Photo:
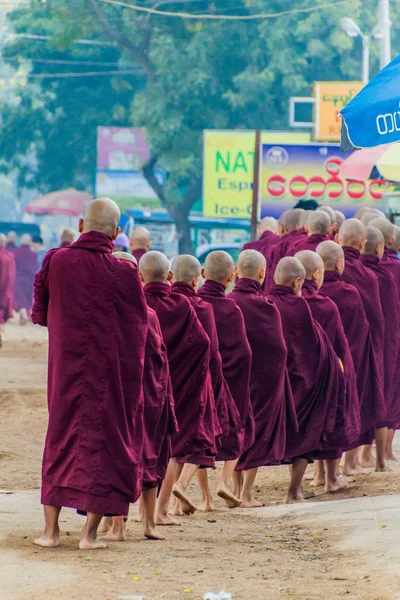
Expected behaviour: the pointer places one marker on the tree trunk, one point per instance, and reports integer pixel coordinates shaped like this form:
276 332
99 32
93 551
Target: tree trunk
182 224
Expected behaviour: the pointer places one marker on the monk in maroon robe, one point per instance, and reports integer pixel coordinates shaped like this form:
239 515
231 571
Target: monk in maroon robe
318 229
340 219
67 238
11 241
140 242
352 238
314 371
236 363
270 392
188 348
26 263
291 230
96 314
394 248
348 300
372 256
186 277
268 236
7 282
347 426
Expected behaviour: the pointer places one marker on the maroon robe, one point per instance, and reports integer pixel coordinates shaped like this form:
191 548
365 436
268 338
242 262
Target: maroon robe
138 253
11 246
311 242
266 240
370 392
367 284
390 307
392 263
159 410
26 262
270 392
278 251
314 372
96 314
7 284
65 244
391 254
236 364
188 349
347 427
297 241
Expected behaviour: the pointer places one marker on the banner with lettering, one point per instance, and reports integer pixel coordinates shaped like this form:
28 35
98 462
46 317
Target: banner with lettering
290 173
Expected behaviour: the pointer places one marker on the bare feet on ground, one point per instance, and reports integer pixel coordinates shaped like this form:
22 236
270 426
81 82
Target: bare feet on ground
151 533
115 536
318 482
48 542
334 486
253 503
357 470
91 545
226 494
166 521
187 505
368 463
206 506
297 499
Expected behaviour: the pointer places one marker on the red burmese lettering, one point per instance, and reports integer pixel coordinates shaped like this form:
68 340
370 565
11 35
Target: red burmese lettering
298 193
332 165
376 182
276 190
317 193
335 193
356 189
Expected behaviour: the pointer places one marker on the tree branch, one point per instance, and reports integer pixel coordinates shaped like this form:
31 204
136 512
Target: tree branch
149 175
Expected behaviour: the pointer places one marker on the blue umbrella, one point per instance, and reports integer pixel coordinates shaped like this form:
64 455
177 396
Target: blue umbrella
372 117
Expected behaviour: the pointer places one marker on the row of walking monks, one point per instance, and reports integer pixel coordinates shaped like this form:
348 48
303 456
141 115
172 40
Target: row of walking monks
297 364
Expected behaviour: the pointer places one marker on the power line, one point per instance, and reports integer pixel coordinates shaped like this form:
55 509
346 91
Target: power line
30 36
68 75
63 62
184 15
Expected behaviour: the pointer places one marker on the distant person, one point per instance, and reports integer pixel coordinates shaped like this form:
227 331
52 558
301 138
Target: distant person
96 314
121 243
318 228
268 234
38 247
7 282
340 219
67 237
11 240
26 262
140 242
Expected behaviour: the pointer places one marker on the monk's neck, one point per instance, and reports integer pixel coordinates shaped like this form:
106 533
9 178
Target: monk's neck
370 259
248 286
156 288
310 288
281 290
349 252
213 288
181 287
331 276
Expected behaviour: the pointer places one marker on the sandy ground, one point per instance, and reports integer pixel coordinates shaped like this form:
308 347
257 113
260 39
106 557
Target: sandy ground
252 554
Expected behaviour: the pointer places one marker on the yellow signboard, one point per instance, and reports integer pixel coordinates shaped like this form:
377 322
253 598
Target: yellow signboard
330 97
228 169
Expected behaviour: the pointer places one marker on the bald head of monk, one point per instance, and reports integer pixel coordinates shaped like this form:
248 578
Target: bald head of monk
313 265
375 244
352 233
186 268
385 227
26 240
251 265
102 215
154 268
332 256
330 212
68 236
395 245
282 223
318 222
219 267
11 237
140 239
290 273
362 210
125 256
268 224
3 240
340 219
293 219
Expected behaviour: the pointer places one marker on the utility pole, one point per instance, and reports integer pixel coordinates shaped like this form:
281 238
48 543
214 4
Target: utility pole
384 26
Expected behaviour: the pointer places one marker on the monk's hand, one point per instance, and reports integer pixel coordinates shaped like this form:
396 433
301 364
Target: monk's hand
341 365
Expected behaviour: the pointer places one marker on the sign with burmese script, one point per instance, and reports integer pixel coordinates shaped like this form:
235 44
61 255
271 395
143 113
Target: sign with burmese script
290 173
330 97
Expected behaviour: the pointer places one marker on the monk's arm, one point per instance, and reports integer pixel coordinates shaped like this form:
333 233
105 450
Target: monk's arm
41 293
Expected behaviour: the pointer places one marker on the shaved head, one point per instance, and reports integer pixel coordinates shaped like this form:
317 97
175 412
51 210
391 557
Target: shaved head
330 212
125 256
68 235
101 215
374 240
26 240
219 266
140 239
330 252
368 217
395 245
154 267
12 237
3 240
288 271
318 222
385 227
268 224
250 264
361 211
293 218
352 233
311 262
186 268
340 219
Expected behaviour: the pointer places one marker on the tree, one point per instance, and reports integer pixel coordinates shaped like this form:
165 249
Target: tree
195 75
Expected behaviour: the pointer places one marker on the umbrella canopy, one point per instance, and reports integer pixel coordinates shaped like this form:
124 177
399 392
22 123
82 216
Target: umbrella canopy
372 117
65 202
373 163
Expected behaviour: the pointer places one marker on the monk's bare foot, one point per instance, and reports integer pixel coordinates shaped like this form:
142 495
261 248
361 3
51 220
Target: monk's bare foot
334 486
177 510
357 470
151 533
115 536
166 521
368 463
105 525
251 503
318 482
382 469
295 499
309 476
226 494
48 542
206 506
187 506
87 544
392 457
